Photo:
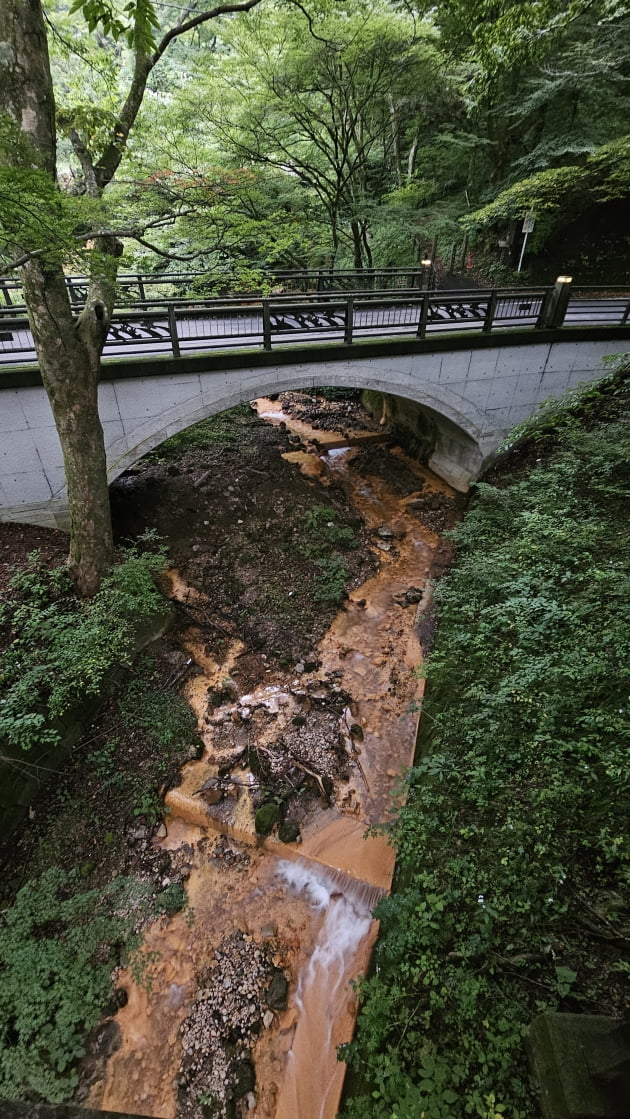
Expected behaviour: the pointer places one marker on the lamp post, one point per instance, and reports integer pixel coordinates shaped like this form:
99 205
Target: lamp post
427 268
559 301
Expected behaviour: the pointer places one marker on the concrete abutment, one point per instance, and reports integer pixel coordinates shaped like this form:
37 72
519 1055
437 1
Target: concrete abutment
456 399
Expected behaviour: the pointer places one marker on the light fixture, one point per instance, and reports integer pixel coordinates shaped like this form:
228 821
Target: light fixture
564 280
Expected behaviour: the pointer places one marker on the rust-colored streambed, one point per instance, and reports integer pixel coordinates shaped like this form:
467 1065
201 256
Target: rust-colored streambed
262 959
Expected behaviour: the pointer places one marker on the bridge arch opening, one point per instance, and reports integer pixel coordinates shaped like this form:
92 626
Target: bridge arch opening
428 421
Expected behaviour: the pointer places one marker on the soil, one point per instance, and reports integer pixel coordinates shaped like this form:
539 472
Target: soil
232 511
255 548
235 514
18 542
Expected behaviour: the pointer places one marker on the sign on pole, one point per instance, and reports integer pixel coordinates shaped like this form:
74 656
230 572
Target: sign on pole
528 224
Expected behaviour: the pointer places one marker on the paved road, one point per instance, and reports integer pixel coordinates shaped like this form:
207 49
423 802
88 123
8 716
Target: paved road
202 328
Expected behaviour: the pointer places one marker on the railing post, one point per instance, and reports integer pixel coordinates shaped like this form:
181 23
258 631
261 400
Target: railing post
624 317
556 308
266 324
490 310
141 287
349 321
543 314
451 266
424 316
427 266
172 329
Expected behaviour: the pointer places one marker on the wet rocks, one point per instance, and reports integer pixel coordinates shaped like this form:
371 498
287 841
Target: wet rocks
323 414
436 510
229 853
277 991
289 832
212 790
409 597
222 1026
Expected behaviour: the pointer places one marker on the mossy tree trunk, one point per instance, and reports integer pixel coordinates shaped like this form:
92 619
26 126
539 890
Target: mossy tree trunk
68 348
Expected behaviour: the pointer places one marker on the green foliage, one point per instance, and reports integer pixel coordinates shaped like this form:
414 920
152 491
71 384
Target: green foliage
562 192
138 30
36 217
325 540
61 649
57 951
514 837
171 900
222 429
561 415
330 583
325 533
166 726
266 818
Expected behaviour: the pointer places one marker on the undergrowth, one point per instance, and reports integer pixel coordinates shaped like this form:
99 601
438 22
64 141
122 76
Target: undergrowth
513 855
58 947
60 648
222 430
324 542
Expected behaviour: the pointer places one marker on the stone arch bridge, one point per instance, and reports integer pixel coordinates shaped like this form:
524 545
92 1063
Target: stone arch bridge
465 392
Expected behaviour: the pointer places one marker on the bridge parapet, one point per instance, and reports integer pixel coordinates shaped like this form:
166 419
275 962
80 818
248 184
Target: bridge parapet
472 388
181 327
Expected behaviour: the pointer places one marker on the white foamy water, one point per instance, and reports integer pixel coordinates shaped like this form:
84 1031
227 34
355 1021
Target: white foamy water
324 999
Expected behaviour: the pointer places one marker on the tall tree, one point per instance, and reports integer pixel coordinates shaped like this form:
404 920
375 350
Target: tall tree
325 95
69 349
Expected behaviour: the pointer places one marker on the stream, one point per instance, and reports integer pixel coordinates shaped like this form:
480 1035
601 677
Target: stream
246 993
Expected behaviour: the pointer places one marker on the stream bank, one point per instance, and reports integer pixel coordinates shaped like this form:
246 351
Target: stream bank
299 706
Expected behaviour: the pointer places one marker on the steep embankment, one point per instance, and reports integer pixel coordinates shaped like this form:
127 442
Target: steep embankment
513 851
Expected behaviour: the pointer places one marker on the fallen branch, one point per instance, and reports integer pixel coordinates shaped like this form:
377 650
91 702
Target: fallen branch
311 773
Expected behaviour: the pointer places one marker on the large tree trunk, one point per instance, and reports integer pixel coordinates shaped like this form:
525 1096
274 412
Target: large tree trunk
69 358
68 349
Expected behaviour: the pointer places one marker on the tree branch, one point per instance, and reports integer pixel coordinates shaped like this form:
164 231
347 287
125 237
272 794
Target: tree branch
196 21
110 160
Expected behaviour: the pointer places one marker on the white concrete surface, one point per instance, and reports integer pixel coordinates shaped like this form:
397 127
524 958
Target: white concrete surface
474 398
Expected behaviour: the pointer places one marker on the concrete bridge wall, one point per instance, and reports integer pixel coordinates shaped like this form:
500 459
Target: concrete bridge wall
471 392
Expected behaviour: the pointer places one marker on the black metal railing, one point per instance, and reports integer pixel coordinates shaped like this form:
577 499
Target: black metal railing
180 327
136 287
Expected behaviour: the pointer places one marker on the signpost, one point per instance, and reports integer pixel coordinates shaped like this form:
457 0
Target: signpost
528 224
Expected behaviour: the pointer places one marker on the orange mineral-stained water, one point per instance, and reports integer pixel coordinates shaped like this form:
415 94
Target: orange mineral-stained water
312 902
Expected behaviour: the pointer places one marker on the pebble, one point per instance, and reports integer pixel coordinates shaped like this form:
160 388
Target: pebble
230 1005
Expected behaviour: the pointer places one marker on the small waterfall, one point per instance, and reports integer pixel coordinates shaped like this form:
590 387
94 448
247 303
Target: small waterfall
324 1000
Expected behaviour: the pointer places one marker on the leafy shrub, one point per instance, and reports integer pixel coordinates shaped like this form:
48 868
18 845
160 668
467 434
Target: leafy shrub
325 539
330 582
514 840
62 648
57 951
